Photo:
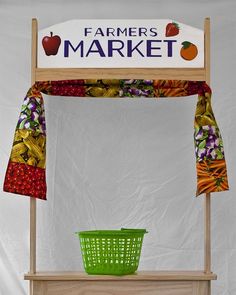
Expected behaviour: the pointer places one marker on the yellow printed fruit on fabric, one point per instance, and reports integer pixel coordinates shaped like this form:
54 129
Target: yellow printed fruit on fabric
29 147
41 163
32 161
111 82
23 133
18 149
91 81
17 136
17 159
32 145
41 140
205 119
96 91
111 92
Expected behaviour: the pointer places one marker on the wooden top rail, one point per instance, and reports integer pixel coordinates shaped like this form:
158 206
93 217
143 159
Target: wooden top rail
53 74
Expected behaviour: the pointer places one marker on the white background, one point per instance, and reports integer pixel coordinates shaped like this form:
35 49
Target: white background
114 163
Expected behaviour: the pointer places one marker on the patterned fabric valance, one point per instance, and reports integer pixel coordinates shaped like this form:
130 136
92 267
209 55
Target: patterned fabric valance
25 173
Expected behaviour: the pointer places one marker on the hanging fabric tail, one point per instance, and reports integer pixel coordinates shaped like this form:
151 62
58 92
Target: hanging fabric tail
25 173
210 158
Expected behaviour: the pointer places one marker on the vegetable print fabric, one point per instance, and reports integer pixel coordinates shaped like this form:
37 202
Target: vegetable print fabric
25 173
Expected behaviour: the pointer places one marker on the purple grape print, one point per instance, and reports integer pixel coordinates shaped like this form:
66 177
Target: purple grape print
208 143
32 115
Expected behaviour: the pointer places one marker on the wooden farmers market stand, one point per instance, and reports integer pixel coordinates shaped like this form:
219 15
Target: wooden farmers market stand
143 282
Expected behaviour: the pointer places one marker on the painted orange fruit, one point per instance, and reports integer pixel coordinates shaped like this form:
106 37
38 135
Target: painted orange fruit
188 51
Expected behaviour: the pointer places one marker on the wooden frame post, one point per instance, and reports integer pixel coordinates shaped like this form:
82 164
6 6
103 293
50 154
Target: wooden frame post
207 199
33 200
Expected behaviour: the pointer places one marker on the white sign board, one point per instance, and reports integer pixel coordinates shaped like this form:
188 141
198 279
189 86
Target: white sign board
121 44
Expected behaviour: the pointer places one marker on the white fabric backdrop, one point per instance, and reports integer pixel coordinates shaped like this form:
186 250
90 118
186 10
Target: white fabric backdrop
114 163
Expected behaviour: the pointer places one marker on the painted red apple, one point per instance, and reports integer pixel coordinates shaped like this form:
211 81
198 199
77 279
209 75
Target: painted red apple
51 44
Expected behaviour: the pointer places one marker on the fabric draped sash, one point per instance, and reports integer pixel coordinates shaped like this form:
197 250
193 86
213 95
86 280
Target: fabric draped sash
25 173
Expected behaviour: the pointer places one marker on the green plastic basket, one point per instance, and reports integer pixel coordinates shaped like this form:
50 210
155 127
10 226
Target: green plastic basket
111 252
